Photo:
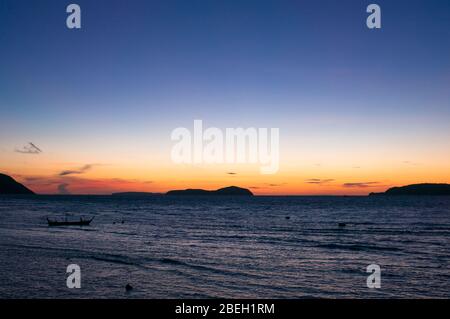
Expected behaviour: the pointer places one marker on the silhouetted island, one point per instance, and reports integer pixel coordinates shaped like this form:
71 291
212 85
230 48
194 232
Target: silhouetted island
417 189
230 191
136 194
9 186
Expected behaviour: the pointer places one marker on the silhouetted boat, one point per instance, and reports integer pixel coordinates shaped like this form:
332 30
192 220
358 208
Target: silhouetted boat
80 222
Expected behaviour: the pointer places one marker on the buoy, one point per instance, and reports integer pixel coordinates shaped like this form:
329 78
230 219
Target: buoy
128 287
342 224
288 217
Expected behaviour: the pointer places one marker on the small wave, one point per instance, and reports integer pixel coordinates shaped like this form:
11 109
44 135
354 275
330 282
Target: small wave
115 260
172 261
185 264
206 268
357 247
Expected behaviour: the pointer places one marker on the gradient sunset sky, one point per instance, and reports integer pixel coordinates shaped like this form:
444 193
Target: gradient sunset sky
358 110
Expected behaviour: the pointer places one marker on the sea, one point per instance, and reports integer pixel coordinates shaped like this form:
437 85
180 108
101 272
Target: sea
226 247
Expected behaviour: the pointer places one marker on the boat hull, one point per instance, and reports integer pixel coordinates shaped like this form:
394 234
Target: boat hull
53 223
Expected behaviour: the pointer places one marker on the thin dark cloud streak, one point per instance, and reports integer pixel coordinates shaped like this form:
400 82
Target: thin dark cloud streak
361 185
267 186
29 148
318 181
81 170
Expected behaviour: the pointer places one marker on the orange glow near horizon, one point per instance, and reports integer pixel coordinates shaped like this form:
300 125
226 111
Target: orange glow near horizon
107 179
349 171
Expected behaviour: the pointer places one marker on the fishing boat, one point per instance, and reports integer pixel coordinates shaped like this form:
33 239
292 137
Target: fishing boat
81 222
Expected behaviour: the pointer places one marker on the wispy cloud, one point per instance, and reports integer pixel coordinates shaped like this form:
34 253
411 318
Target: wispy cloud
267 185
276 185
318 181
32 179
77 184
361 184
29 148
73 181
81 170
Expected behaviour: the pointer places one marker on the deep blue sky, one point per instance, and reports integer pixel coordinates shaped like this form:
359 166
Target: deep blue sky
218 50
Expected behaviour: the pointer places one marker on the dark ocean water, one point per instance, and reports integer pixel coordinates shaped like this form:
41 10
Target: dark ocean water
171 247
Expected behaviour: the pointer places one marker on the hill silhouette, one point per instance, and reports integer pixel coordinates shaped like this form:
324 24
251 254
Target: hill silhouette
9 186
229 191
418 189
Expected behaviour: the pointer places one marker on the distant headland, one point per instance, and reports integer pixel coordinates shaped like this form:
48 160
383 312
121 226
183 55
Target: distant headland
417 189
9 186
230 191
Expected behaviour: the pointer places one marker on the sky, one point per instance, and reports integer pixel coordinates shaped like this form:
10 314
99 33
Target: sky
359 110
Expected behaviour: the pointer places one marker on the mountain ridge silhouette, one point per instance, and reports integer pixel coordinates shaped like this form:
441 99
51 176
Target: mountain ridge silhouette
10 186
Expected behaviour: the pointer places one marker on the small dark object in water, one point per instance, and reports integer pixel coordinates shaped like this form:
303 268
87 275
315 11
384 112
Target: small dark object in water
342 224
81 222
128 287
123 222
288 217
